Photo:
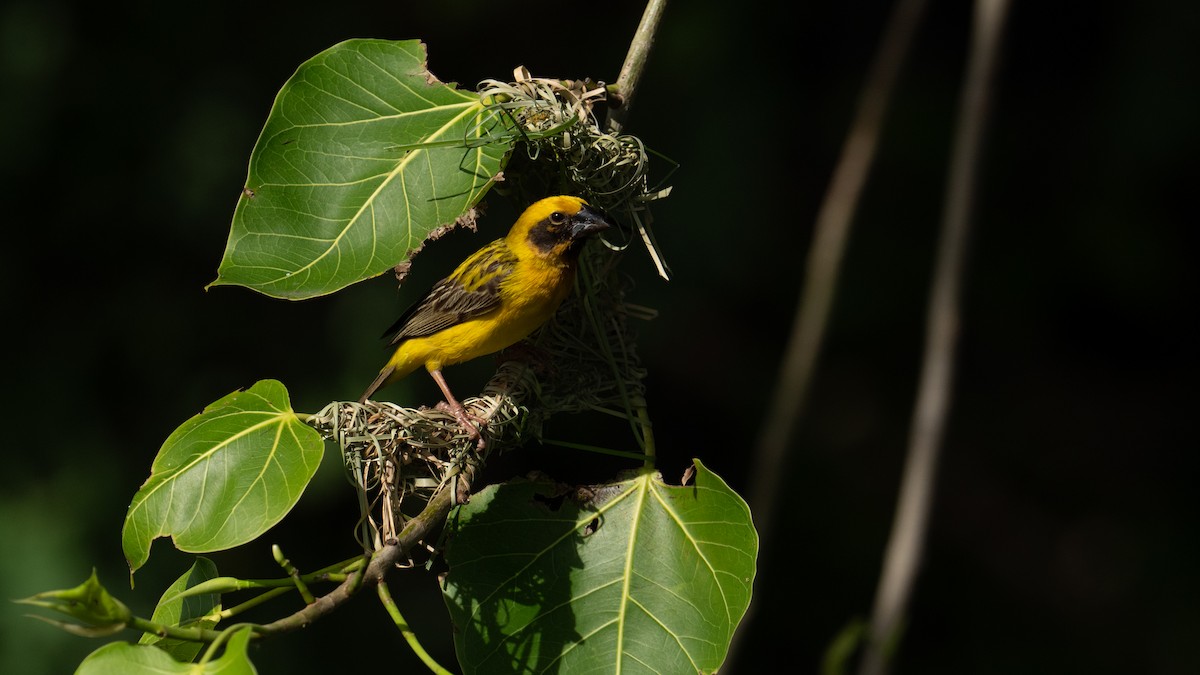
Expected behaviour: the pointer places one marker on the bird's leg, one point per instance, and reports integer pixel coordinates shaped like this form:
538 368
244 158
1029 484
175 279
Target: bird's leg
460 413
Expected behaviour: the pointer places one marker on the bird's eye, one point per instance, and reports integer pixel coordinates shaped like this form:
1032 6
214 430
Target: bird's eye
558 217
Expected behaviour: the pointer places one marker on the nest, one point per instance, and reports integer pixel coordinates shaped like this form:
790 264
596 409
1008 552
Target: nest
392 452
564 150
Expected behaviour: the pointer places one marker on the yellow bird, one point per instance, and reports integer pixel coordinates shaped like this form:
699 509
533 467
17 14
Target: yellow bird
496 297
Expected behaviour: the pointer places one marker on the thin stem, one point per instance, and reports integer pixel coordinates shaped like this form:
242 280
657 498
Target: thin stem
220 641
174 632
638 421
645 459
635 63
907 540
336 572
293 574
255 601
647 434
385 597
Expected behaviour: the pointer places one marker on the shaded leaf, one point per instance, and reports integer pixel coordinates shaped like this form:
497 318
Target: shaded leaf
644 577
193 611
225 476
122 658
363 153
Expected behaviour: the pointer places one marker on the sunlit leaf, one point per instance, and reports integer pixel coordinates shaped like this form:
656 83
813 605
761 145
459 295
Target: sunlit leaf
639 577
362 155
194 611
225 476
122 658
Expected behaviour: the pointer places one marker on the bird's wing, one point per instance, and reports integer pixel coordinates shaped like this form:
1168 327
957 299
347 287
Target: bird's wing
472 290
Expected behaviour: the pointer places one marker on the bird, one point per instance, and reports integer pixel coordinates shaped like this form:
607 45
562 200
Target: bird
493 299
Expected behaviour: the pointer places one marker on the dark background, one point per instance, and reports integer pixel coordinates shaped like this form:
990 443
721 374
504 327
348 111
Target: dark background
1064 535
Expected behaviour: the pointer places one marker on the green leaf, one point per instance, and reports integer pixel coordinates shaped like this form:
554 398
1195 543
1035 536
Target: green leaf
90 603
644 578
196 611
362 155
122 658
225 476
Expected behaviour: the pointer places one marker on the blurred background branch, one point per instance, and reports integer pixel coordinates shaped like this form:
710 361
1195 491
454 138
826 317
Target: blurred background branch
788 404
935 389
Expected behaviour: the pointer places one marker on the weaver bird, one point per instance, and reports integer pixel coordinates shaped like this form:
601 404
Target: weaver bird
496 297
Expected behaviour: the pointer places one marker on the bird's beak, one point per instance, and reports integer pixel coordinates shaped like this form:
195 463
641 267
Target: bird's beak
588 221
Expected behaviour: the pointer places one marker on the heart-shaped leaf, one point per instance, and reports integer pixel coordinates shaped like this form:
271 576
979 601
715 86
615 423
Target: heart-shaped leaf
638 577
225 476
362 155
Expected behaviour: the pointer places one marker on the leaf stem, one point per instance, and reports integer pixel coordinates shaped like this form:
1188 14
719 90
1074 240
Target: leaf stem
335 572
174 632
254 602
643 414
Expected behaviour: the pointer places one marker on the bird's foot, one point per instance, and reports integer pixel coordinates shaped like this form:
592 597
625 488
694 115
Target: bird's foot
470 422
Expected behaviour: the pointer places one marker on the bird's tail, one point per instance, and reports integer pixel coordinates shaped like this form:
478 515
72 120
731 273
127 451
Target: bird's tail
380 380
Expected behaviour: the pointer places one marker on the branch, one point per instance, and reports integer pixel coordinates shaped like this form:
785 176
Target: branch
635 63
907 538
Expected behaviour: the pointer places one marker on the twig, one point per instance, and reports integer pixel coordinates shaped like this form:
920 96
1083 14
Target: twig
907 538
385 597
789 402
293 573
635 63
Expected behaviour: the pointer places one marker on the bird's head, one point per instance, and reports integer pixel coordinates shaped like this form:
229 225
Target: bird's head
556 226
